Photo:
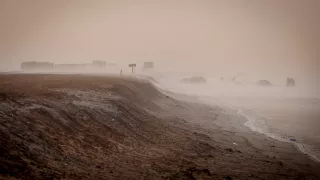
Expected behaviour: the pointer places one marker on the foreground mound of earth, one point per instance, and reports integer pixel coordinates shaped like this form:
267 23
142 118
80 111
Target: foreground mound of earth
95 127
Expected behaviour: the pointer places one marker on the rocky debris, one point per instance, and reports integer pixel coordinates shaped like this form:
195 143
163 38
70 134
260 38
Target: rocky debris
293 139
229 150
191 174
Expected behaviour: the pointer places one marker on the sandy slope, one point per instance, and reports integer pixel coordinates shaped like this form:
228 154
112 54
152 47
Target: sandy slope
94 127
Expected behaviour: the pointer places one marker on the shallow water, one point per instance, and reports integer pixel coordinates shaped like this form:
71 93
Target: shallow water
286 114
299 126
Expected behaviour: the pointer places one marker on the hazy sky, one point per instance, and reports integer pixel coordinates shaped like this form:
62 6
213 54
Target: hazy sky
266 37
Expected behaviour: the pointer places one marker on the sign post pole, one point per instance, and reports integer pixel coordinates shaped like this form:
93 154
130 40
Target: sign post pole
132 67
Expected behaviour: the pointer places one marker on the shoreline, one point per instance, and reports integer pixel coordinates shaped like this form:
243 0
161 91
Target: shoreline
250 123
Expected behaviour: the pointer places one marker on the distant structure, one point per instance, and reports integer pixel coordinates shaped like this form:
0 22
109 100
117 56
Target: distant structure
148 65
34 66
290 82
99 64
94 64
111 64
47 66
69 66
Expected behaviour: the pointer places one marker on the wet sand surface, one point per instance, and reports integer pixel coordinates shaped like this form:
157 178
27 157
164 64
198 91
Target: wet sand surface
96 127
291 119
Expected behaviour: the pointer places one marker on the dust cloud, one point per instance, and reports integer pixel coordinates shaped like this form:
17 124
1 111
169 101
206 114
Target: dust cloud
241 42
245 41
269 39
258 58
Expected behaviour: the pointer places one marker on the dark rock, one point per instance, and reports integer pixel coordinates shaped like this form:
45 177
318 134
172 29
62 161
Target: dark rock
229 150
264 83
228 178
206 171
194 80
290 82
280 163
293 139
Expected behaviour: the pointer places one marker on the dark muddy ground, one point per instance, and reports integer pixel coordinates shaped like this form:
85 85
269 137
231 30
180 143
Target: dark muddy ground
94 127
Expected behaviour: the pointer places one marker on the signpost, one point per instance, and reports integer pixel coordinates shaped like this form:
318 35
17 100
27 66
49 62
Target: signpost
132 66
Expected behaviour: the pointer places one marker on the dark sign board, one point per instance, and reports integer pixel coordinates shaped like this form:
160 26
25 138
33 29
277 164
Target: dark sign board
132 65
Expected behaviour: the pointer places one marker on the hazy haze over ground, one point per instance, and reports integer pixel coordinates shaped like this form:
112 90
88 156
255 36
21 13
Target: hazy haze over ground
267 39
254 40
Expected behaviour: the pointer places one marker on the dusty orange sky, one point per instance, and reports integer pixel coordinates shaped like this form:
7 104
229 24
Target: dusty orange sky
267 37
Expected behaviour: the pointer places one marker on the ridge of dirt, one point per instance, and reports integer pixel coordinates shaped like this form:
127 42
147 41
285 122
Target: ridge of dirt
95 127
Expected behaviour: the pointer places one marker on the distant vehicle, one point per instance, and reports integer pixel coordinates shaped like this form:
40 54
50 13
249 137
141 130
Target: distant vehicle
290 82
264 83
99 64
